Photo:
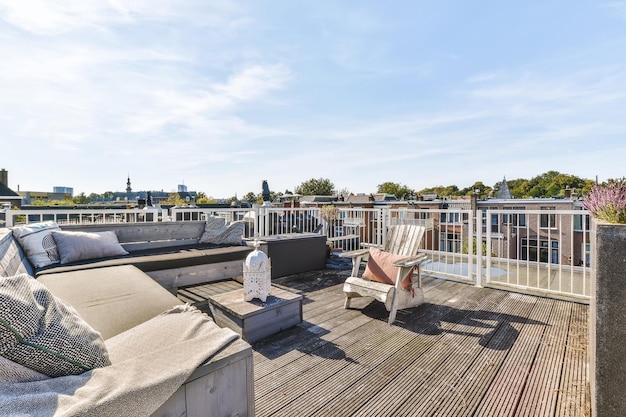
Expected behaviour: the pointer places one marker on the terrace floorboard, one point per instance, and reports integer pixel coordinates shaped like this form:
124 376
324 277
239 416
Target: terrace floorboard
467 351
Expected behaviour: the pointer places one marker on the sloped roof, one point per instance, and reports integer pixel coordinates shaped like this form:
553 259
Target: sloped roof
369 198
7 192
317 198
503 191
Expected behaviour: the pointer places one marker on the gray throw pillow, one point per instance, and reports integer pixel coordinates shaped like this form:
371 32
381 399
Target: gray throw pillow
233 234
80 246
213 228
43 333
37 242
216 231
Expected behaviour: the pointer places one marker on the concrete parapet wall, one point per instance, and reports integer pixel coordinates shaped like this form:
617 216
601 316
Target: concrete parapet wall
607 327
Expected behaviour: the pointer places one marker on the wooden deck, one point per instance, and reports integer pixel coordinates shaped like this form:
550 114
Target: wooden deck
467 352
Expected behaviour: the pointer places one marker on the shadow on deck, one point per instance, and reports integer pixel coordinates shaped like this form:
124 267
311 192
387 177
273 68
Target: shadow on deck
467 351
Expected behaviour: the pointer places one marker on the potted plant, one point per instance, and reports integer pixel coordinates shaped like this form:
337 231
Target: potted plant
607 321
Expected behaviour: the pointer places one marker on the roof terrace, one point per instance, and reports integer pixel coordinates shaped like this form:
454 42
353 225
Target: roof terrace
504 341
468 351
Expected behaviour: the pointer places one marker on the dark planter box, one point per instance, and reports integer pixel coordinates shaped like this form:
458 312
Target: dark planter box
293 253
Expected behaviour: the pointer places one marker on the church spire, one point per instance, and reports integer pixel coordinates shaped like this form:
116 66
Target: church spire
503 191
128 188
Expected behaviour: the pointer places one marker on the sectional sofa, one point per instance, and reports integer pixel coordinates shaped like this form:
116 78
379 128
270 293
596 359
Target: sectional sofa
164 358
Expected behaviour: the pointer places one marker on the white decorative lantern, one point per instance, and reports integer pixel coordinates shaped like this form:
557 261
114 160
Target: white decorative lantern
257 277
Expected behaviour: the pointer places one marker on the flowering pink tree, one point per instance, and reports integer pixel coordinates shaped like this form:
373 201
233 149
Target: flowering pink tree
608 201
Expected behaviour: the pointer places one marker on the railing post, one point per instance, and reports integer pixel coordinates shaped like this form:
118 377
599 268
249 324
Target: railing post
382 226
266 220
478 252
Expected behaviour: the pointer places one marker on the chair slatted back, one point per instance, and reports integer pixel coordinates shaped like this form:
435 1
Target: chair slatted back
404 239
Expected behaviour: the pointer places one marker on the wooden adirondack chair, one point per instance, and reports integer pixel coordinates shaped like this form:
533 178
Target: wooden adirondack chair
401 249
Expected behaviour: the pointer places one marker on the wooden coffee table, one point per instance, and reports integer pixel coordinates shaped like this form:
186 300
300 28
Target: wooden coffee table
254 320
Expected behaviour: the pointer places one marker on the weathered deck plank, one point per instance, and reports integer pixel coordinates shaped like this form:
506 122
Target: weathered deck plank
467 351
513 321
539 398
423 374
458 388
574 388
509 381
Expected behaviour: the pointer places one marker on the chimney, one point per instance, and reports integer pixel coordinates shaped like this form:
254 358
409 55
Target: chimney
568 192
4 177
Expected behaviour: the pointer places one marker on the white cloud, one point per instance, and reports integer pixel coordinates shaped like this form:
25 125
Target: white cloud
43 17
254 82
60 16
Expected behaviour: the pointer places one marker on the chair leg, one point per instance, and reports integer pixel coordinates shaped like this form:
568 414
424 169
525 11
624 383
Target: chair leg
392 315
346 304
419 276
394 307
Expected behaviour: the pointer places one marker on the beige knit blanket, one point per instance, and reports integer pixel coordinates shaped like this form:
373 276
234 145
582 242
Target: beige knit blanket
149 363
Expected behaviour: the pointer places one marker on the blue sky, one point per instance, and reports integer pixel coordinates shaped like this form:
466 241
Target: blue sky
220 95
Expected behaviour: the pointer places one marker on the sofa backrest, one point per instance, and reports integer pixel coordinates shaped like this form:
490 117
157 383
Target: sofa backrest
139 236
132 236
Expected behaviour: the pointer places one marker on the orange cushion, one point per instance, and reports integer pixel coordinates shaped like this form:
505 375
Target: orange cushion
380 268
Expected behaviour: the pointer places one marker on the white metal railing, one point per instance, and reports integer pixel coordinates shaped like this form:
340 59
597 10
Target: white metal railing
81 216
248 215
544 252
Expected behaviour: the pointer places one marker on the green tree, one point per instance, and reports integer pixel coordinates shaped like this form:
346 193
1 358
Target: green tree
319 186
400 191
81 199
253 198
519 187
553 184
174 199
450 190
344 192
474 244
478 187
205 200
586 187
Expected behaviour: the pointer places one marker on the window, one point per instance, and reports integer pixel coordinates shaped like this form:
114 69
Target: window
495 226
548 221
519 219
484 218
450 242
582 222
542 250
587 252
507 218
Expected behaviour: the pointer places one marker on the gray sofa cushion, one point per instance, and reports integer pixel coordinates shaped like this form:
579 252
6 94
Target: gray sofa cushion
111 300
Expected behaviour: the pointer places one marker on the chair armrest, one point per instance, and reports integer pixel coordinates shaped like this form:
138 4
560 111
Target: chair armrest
371 245
411 261
354 253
